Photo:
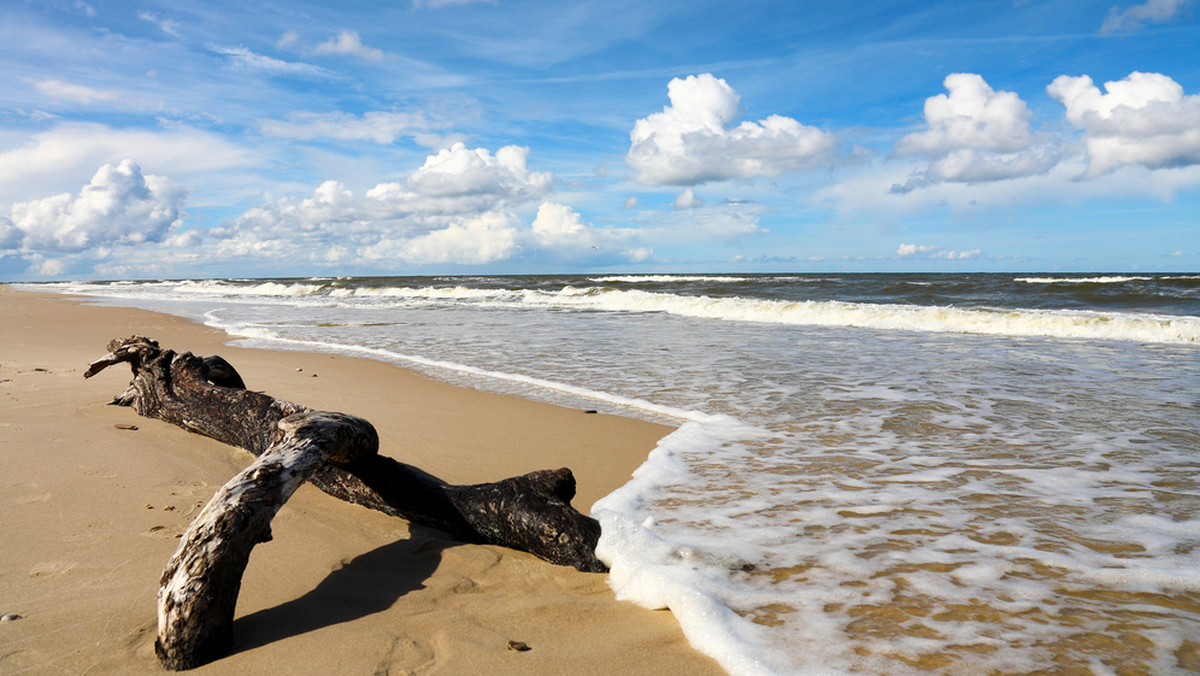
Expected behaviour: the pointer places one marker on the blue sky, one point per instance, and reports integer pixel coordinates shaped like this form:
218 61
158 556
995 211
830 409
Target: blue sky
212 139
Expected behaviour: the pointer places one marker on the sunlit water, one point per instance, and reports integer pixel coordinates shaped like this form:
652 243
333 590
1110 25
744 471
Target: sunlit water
879 473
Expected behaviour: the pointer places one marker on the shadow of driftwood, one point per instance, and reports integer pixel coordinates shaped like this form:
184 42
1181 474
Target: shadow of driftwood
366 585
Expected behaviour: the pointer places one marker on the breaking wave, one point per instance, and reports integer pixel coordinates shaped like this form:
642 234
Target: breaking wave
1023 322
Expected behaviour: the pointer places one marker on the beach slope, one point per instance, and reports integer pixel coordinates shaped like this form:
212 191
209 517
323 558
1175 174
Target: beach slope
92 511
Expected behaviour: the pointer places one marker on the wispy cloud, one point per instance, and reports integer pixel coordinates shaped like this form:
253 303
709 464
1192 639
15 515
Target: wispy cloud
57 89
382 127
168 26
375 126
57 159
438 4
243 59
1138 16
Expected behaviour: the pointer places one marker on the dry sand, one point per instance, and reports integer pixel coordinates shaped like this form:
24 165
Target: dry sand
90 513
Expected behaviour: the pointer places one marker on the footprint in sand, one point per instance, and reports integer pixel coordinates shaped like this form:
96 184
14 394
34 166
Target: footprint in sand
51 568
465 585
407 656
33 493
160 532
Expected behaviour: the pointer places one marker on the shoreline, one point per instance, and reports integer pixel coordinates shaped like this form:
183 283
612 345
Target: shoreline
92 513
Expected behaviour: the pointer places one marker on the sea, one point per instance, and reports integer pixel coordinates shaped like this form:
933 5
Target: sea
870 473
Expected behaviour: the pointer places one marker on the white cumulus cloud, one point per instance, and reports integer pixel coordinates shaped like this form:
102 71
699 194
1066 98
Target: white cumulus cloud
118 206
1144 119
473 240
688 200
46 267
639 254
970 115
559 226
463 172
691 140
350 44
974 134
926 251
455 208
561 229
10 235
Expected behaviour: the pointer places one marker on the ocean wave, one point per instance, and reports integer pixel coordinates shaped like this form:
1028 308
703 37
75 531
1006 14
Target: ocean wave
1082 280
256 335
1051 323
425 292
225 288
938 319
667 279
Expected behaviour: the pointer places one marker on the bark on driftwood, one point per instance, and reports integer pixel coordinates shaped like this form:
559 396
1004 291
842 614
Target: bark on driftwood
199 588
338 454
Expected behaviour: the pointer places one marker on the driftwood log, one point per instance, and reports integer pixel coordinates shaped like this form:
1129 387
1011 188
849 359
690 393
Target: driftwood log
338 453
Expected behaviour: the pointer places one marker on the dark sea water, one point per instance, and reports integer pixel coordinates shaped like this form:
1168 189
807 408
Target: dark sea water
873 473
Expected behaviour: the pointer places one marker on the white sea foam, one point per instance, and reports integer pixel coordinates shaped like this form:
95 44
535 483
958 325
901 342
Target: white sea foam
656 573
1110 279
660 279
265 337
224 288
451 293
692 580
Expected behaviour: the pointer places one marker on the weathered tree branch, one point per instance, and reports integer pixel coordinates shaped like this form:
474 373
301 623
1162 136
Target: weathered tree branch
338 454
199 588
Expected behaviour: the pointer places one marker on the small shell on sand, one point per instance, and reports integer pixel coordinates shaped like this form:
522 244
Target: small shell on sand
519 646
10 617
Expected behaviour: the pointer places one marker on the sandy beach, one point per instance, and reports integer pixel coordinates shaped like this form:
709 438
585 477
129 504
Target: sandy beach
91 513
